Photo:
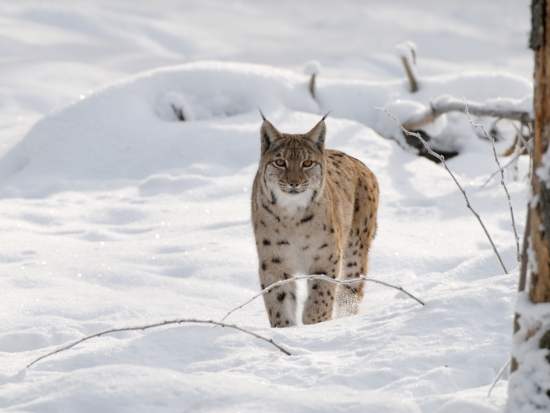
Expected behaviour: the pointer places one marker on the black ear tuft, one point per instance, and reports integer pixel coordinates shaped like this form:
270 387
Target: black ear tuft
324 117
262 114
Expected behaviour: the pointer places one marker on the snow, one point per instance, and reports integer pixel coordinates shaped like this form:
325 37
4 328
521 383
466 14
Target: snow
116 213
528 382
543 171
313 67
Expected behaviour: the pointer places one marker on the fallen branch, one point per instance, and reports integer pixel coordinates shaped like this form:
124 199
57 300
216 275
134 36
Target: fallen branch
492 140
162 323
504 108
323 278
442 160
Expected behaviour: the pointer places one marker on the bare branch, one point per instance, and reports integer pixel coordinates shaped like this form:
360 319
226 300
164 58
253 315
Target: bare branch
497 378
442 159
163 323
445 104
516 156
492 140
323 278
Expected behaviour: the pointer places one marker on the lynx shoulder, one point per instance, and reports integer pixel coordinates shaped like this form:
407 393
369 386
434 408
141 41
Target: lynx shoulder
313 212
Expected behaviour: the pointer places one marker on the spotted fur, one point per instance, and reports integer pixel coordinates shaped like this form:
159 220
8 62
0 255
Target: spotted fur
314 212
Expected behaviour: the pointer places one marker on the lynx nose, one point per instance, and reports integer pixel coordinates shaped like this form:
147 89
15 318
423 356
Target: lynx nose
294 183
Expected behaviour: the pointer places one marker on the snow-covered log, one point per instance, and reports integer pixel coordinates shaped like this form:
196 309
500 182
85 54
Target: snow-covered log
512 109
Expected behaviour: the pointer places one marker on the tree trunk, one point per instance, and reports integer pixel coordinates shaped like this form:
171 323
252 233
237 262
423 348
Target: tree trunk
538 219
539 214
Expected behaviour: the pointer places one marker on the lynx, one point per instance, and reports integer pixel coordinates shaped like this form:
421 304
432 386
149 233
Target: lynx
314 212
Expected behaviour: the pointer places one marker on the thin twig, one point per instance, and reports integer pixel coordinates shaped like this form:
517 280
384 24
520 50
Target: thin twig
497 378
163 323
442 159
323 278
492 140
516 156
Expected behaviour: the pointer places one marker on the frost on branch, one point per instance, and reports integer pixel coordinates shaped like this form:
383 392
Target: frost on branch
529 385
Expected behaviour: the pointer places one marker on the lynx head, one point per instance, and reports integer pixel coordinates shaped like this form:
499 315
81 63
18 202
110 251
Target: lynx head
293 166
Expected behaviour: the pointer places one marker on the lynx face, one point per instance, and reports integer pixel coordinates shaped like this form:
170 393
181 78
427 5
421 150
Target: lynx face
293 167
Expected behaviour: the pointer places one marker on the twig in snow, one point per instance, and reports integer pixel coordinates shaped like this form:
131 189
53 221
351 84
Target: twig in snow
492 140
312 85
442 160
178 112
497 378
323 278
516 156
163 323
520 139
410 75
407 52
312 68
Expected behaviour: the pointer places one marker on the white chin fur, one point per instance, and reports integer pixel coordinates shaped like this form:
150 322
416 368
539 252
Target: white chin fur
291 202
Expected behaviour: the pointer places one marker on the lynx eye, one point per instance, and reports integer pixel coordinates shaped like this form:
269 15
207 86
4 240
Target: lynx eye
280 163
307 163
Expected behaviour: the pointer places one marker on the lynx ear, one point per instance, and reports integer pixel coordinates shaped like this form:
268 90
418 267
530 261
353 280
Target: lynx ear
268 135
317 134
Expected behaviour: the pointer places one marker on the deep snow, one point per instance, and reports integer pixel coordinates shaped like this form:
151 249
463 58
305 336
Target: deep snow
116 214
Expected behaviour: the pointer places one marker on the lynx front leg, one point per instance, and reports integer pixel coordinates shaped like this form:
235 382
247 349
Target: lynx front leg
319 305
280 302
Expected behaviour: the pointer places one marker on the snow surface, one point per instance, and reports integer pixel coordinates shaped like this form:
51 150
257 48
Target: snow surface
117 214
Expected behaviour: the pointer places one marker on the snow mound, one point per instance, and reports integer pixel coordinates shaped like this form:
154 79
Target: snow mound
177 120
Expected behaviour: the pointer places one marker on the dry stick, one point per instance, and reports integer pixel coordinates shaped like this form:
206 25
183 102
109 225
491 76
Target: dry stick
492 140
163 323
323 278
312 86
442 159
410 75
496 379
516 156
